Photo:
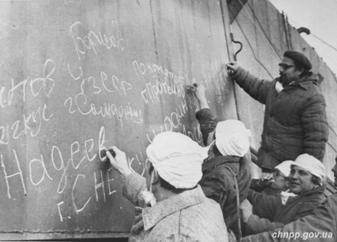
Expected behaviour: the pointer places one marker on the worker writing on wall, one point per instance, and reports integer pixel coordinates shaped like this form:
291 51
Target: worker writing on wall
182 212
226 171
295 118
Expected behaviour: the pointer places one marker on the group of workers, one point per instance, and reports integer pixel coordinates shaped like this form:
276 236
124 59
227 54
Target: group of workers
206 193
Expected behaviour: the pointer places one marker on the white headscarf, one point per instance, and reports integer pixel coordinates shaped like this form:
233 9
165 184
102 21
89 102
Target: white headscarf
311 164
284 167
177 159
232 138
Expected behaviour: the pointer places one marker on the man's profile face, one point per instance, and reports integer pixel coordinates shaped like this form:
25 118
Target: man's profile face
300 180
288 71
280 181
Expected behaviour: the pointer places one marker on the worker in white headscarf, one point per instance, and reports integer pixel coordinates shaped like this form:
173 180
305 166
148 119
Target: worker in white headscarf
322 219
307 177
177 159
226 172
280 180
279 183
182 212
232 138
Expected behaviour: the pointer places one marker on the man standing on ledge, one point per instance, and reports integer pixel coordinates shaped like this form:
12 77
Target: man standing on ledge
295 119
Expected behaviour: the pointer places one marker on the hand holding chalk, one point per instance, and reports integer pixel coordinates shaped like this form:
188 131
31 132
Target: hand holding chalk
104 152
118 160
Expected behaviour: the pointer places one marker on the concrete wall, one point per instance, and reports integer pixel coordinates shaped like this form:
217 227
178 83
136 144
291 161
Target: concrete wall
266 35
167 43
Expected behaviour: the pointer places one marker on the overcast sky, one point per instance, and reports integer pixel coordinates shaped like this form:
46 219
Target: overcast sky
320 16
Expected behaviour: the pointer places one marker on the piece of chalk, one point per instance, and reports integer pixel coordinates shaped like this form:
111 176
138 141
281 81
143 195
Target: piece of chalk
112 152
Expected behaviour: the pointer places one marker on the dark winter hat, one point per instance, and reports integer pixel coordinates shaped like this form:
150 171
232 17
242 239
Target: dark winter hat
299 59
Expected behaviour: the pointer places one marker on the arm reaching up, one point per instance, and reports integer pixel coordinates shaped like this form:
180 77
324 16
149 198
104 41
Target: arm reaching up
200 93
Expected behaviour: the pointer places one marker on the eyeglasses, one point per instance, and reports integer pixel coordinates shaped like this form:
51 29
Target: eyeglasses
285 66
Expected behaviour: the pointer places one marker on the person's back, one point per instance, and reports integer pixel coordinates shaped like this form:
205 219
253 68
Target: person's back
201 221
226 172
179 209
218 183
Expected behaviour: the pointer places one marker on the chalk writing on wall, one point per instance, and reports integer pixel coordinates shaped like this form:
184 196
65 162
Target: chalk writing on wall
93 41
66 95
92 86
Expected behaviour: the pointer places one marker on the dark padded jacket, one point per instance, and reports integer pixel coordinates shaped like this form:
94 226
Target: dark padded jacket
220 172
295 119
276 213
321 226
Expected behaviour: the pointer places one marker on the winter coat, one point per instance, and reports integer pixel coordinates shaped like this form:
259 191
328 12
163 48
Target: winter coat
294 121
321 226
187 216
218 183
272 213
220 173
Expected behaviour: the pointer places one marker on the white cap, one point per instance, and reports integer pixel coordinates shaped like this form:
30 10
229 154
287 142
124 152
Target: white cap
232 138
310 164
284 167
177 158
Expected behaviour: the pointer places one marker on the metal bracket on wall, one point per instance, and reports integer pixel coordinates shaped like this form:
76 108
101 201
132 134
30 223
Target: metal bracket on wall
236 42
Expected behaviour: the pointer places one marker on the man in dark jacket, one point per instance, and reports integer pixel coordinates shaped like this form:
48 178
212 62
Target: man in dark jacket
295 118
307 178
321 225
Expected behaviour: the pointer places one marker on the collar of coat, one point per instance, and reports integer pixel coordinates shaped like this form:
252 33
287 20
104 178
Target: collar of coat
304 83
153 215
314 192
213 163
